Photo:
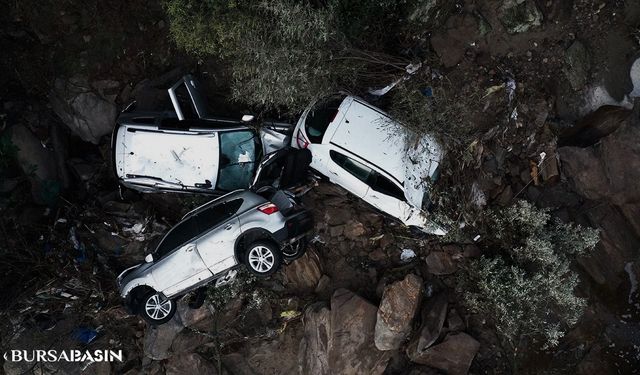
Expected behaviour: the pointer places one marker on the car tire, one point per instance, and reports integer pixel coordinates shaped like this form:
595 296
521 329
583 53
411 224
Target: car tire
262 258
296 252
157 309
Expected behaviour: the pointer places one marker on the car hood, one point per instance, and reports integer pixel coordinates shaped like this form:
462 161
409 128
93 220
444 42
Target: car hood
420 163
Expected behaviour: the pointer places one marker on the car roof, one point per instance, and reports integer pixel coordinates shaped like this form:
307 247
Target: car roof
181 157
372 135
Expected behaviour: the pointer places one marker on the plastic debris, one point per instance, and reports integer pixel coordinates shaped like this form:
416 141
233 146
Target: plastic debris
407 255
84 335
476 238
410 70
427 91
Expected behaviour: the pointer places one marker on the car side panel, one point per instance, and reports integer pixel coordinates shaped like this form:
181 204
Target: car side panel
179 270
340 176
388 204
254 219
216 246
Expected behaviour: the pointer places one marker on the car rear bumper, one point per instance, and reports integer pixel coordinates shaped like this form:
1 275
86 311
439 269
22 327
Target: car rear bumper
297 227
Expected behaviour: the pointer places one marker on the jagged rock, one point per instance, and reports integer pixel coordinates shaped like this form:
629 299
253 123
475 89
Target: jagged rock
593 127
454 321
354 229
323 286
440 263
577 65
192 363
314 347
38 163
341 340
519 16
399 304
352 349
433 317
86 108
453 355
158 340
304 273
187 341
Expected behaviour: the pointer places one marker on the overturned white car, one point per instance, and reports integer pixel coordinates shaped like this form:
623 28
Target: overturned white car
362 149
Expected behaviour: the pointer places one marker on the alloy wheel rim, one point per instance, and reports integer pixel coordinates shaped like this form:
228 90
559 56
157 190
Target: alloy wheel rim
157 308
261 259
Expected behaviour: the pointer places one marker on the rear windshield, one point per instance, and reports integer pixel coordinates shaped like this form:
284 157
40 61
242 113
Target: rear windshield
237 159
320 116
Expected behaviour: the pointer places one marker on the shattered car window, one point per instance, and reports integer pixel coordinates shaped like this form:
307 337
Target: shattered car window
237 159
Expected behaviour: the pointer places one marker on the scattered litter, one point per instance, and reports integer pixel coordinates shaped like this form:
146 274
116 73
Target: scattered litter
511 89
290 314
493 89
409 69
407 255
542 156
317 239
427 91
476 238
65 295
376 238
61 220
84 335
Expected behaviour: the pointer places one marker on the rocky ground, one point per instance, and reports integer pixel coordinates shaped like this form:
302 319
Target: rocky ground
368 297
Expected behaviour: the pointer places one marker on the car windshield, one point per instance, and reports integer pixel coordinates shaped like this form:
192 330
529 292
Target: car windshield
319 118
237 159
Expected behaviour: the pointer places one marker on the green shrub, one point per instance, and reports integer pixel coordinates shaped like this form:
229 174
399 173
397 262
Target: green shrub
527 285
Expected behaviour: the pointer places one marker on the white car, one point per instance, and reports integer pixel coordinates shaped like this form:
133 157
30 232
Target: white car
362 149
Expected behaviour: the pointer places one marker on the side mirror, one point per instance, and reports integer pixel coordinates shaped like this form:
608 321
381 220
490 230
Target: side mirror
148 258
248 118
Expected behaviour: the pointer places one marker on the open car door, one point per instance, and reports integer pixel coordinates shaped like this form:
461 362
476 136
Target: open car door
283 169
187 99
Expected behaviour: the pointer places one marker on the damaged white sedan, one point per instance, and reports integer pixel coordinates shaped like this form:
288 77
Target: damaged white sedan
189 150
362 149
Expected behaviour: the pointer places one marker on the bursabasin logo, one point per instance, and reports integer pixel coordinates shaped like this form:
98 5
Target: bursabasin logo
63 355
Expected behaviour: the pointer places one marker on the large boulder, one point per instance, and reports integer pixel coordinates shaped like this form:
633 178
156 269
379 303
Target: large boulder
341 340
607 173
518 16
39 163
433 316
400 302
577 65
453 355
314 347
441 263
87 108
303 274
352 348
158 340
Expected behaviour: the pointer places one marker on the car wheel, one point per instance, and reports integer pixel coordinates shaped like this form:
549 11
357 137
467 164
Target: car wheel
157 309
295 250
262 258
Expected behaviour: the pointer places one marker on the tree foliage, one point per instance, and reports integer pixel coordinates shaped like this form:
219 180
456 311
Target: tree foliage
527 287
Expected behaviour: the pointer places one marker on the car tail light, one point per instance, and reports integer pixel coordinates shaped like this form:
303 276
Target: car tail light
268 208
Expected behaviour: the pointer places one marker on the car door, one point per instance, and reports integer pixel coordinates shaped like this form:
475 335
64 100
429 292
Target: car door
221 228
179 265
187 99
387 196
348 173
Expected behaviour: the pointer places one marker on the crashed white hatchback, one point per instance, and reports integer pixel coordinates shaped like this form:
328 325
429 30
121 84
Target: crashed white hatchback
362 149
